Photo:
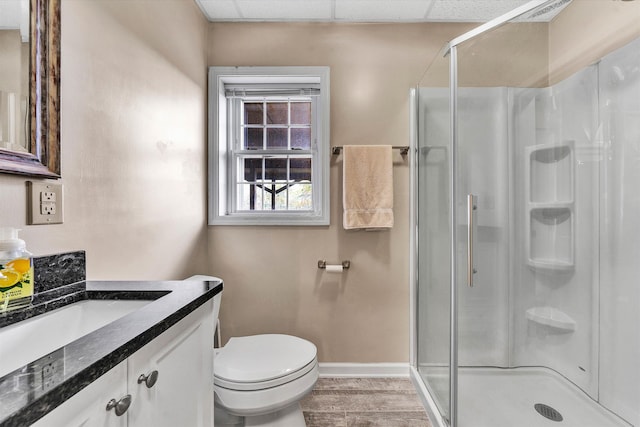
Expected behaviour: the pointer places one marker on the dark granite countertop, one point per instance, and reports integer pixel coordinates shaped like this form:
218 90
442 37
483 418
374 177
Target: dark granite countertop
23 395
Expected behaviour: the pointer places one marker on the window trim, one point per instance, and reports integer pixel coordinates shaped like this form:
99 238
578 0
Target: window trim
218 176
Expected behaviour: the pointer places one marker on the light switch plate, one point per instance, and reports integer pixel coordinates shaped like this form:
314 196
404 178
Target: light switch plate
45 203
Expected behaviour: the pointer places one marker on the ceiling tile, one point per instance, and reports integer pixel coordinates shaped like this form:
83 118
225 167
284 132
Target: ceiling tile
471 10
285 9
368 10
219 9
545 13
382 10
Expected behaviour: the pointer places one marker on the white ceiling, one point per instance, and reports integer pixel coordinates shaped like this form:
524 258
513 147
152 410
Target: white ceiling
361 10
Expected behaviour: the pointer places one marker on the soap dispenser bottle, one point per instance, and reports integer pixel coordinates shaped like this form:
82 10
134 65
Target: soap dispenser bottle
16 271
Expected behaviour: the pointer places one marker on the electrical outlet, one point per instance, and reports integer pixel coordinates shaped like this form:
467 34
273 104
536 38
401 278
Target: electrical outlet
47 208
48 370
51 374
47 196
45 204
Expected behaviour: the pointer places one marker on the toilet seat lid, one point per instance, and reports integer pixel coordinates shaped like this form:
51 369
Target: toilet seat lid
262 357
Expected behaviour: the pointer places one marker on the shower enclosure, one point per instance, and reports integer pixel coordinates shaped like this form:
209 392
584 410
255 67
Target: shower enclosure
527 220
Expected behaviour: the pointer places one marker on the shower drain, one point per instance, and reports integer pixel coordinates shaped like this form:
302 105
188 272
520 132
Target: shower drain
548 412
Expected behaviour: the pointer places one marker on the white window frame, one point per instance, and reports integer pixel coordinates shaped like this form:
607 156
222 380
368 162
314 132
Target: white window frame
220 163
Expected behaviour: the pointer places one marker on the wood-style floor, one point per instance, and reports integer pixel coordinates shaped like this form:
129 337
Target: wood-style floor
360 402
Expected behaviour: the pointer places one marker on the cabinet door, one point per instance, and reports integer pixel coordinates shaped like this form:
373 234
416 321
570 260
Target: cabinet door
88 407
182 392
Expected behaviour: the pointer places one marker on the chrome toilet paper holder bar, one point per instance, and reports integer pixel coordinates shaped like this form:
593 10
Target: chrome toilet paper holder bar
323 264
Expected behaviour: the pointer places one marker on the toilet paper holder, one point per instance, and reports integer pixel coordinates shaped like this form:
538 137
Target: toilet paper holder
323 264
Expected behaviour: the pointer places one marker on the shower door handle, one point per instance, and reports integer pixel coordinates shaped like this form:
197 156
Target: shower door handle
472 209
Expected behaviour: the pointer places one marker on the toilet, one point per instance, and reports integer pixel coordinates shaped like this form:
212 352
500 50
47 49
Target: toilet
259 380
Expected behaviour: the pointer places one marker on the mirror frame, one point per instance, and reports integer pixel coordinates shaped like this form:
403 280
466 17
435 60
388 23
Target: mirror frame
43 160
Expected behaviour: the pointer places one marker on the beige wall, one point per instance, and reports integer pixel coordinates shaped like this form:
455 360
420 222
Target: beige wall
272 283
133 130
133 159
513 55
541 54
587 30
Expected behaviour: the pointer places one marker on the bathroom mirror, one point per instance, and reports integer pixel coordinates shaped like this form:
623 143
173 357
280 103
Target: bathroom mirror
39 154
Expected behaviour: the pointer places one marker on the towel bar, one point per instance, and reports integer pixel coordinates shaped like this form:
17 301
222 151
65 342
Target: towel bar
404 149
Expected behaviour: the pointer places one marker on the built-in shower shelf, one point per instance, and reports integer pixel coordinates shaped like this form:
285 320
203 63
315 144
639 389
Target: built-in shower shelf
551 264
550 237
549 198
552 317
552 208
550 172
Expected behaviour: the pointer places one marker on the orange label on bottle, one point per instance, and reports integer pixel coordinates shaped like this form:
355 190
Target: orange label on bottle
16 282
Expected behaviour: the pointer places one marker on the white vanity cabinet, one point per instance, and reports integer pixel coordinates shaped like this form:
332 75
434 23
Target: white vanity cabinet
169 381
88 408
171 378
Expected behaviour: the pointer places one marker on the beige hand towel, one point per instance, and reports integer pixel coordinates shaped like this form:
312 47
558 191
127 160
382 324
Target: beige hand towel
367 196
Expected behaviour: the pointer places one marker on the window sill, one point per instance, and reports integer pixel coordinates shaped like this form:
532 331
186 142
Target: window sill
276 220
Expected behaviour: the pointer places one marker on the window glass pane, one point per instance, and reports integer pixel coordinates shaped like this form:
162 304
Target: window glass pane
275 169
253 113
300 113
301 138
252 170
300 169
300 197
281 198
277 113
253 138
249 197
277 137
266 198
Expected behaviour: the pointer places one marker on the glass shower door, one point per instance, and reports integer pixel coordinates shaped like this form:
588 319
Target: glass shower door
481 218
486 245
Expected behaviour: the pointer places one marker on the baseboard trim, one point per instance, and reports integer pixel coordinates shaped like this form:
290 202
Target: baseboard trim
363 369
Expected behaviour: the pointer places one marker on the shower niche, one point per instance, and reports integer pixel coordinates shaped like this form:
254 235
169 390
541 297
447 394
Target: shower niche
550 234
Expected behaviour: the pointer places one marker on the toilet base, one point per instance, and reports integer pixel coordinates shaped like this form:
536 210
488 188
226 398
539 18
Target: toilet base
290 416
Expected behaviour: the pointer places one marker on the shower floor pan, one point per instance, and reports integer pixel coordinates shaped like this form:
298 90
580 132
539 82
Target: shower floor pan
493 397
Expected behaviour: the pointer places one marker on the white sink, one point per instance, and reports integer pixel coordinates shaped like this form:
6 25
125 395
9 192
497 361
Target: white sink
33 338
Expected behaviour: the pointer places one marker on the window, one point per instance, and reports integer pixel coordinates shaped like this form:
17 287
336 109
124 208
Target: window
269 145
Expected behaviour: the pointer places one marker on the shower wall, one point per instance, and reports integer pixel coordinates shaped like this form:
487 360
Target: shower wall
596 114
619 85
557 158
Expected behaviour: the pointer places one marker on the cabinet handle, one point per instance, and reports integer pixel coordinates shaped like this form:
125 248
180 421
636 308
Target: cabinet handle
120 406
149 380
